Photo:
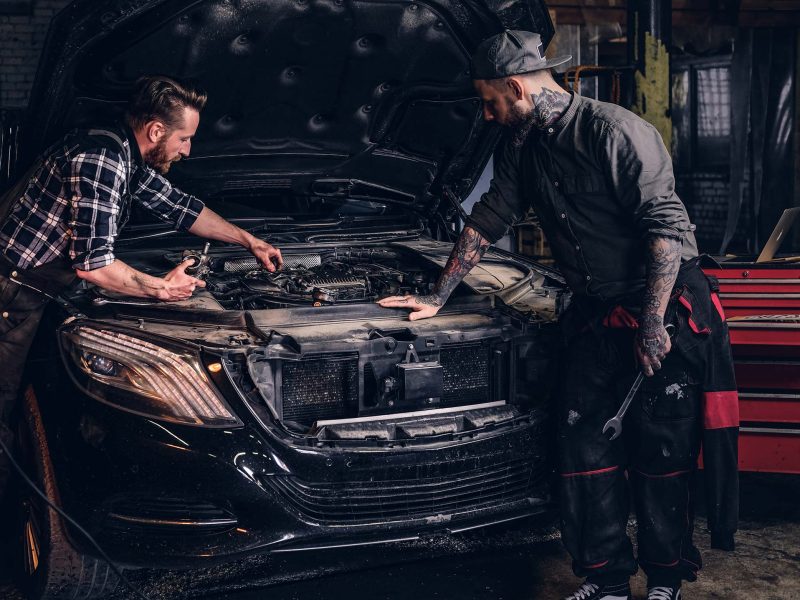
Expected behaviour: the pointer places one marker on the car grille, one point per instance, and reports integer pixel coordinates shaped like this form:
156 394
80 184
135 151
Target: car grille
466 374
325 388
441 488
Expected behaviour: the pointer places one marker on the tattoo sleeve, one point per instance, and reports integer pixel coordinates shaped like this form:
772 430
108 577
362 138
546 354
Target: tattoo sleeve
663 265
467 252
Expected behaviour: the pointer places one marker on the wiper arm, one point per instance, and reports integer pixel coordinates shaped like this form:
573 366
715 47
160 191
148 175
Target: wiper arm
158 230
297 226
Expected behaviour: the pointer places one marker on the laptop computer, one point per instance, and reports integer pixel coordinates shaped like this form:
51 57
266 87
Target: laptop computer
782 227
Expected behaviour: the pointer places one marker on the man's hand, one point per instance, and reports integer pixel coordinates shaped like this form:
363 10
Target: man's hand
210 225
269 256
652 344
422 307
122 279
467 252
179 284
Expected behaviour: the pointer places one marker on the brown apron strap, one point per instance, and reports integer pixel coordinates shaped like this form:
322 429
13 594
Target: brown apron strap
50 279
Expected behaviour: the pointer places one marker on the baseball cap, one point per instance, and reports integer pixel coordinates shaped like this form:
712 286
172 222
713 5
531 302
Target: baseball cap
512 52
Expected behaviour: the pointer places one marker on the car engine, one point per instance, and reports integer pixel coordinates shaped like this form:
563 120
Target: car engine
326 277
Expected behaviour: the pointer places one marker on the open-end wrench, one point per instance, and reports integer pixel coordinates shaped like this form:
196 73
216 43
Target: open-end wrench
615 424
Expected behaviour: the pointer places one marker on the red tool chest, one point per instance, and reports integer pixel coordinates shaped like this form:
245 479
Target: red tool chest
762 305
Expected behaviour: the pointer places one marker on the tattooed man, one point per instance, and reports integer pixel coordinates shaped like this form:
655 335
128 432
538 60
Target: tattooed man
601 184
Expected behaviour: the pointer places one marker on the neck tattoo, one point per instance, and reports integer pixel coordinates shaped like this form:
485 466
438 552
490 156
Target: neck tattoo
548 106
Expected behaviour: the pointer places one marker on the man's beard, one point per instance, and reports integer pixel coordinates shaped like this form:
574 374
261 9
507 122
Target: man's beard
157 157
520 123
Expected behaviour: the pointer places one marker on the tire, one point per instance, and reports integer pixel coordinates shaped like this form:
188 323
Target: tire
47 565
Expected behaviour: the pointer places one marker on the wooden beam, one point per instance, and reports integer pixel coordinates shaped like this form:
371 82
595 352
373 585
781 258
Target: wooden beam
581 16
746 18
587 3
693 5
703 18
770 5
752 18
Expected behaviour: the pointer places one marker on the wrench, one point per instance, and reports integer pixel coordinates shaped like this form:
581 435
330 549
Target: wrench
615 423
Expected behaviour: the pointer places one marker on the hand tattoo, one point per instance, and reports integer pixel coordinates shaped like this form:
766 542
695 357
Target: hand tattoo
430 300
652 338
548 106
467 252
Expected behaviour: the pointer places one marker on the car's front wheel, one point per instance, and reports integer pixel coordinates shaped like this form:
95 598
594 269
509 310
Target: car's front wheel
48 567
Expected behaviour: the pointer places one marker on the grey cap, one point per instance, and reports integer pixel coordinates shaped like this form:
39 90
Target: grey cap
512 52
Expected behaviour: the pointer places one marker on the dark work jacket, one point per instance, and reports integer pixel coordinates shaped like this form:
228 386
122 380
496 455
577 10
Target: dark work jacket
600 181
702 338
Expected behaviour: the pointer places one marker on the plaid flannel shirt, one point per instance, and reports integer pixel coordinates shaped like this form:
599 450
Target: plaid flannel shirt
74 204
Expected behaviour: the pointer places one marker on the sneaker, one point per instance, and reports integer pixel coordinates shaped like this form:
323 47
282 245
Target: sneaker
664 593
591 591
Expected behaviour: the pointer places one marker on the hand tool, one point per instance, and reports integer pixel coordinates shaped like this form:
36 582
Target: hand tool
615 424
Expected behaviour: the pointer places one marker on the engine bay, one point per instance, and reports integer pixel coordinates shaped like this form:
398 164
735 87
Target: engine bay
347 275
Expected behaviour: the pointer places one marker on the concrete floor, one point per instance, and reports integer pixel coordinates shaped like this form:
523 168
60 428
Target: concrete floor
514 563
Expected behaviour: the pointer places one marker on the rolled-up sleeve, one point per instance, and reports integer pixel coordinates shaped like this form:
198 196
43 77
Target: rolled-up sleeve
500 207
640 171
168 203
93 186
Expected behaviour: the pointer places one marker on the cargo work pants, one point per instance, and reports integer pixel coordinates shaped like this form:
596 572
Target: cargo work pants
655 458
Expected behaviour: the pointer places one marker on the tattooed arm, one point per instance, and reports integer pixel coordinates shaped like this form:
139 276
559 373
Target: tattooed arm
652 340
467 252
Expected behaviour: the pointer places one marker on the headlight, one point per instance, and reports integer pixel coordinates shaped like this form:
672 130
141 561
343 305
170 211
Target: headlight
160 381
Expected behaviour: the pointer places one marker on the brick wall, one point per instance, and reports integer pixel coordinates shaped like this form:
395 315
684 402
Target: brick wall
21 39
706 196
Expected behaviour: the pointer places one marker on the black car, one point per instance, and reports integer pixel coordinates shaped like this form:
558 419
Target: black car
284 412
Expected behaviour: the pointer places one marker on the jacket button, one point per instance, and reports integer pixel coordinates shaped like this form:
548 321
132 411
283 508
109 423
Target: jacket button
588 278
13 273
563 215
555 183
5 315
550 130
577 247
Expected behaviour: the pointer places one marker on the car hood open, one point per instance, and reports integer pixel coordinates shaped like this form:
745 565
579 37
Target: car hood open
330 98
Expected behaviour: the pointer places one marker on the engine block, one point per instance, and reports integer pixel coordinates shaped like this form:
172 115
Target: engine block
334 276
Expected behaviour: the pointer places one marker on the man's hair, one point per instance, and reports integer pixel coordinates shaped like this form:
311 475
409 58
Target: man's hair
159 98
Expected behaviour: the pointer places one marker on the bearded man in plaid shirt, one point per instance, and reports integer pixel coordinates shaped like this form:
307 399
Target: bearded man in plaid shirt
66 219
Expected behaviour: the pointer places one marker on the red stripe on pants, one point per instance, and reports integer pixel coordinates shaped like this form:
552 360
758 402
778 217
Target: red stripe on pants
584 473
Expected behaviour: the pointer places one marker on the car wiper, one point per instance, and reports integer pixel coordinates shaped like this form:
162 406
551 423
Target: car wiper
357 189
411 232
295 226
157 230
340 221
147 236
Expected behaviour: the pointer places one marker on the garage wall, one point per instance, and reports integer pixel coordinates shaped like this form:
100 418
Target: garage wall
23 26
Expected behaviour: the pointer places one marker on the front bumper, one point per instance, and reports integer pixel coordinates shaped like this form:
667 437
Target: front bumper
160 495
